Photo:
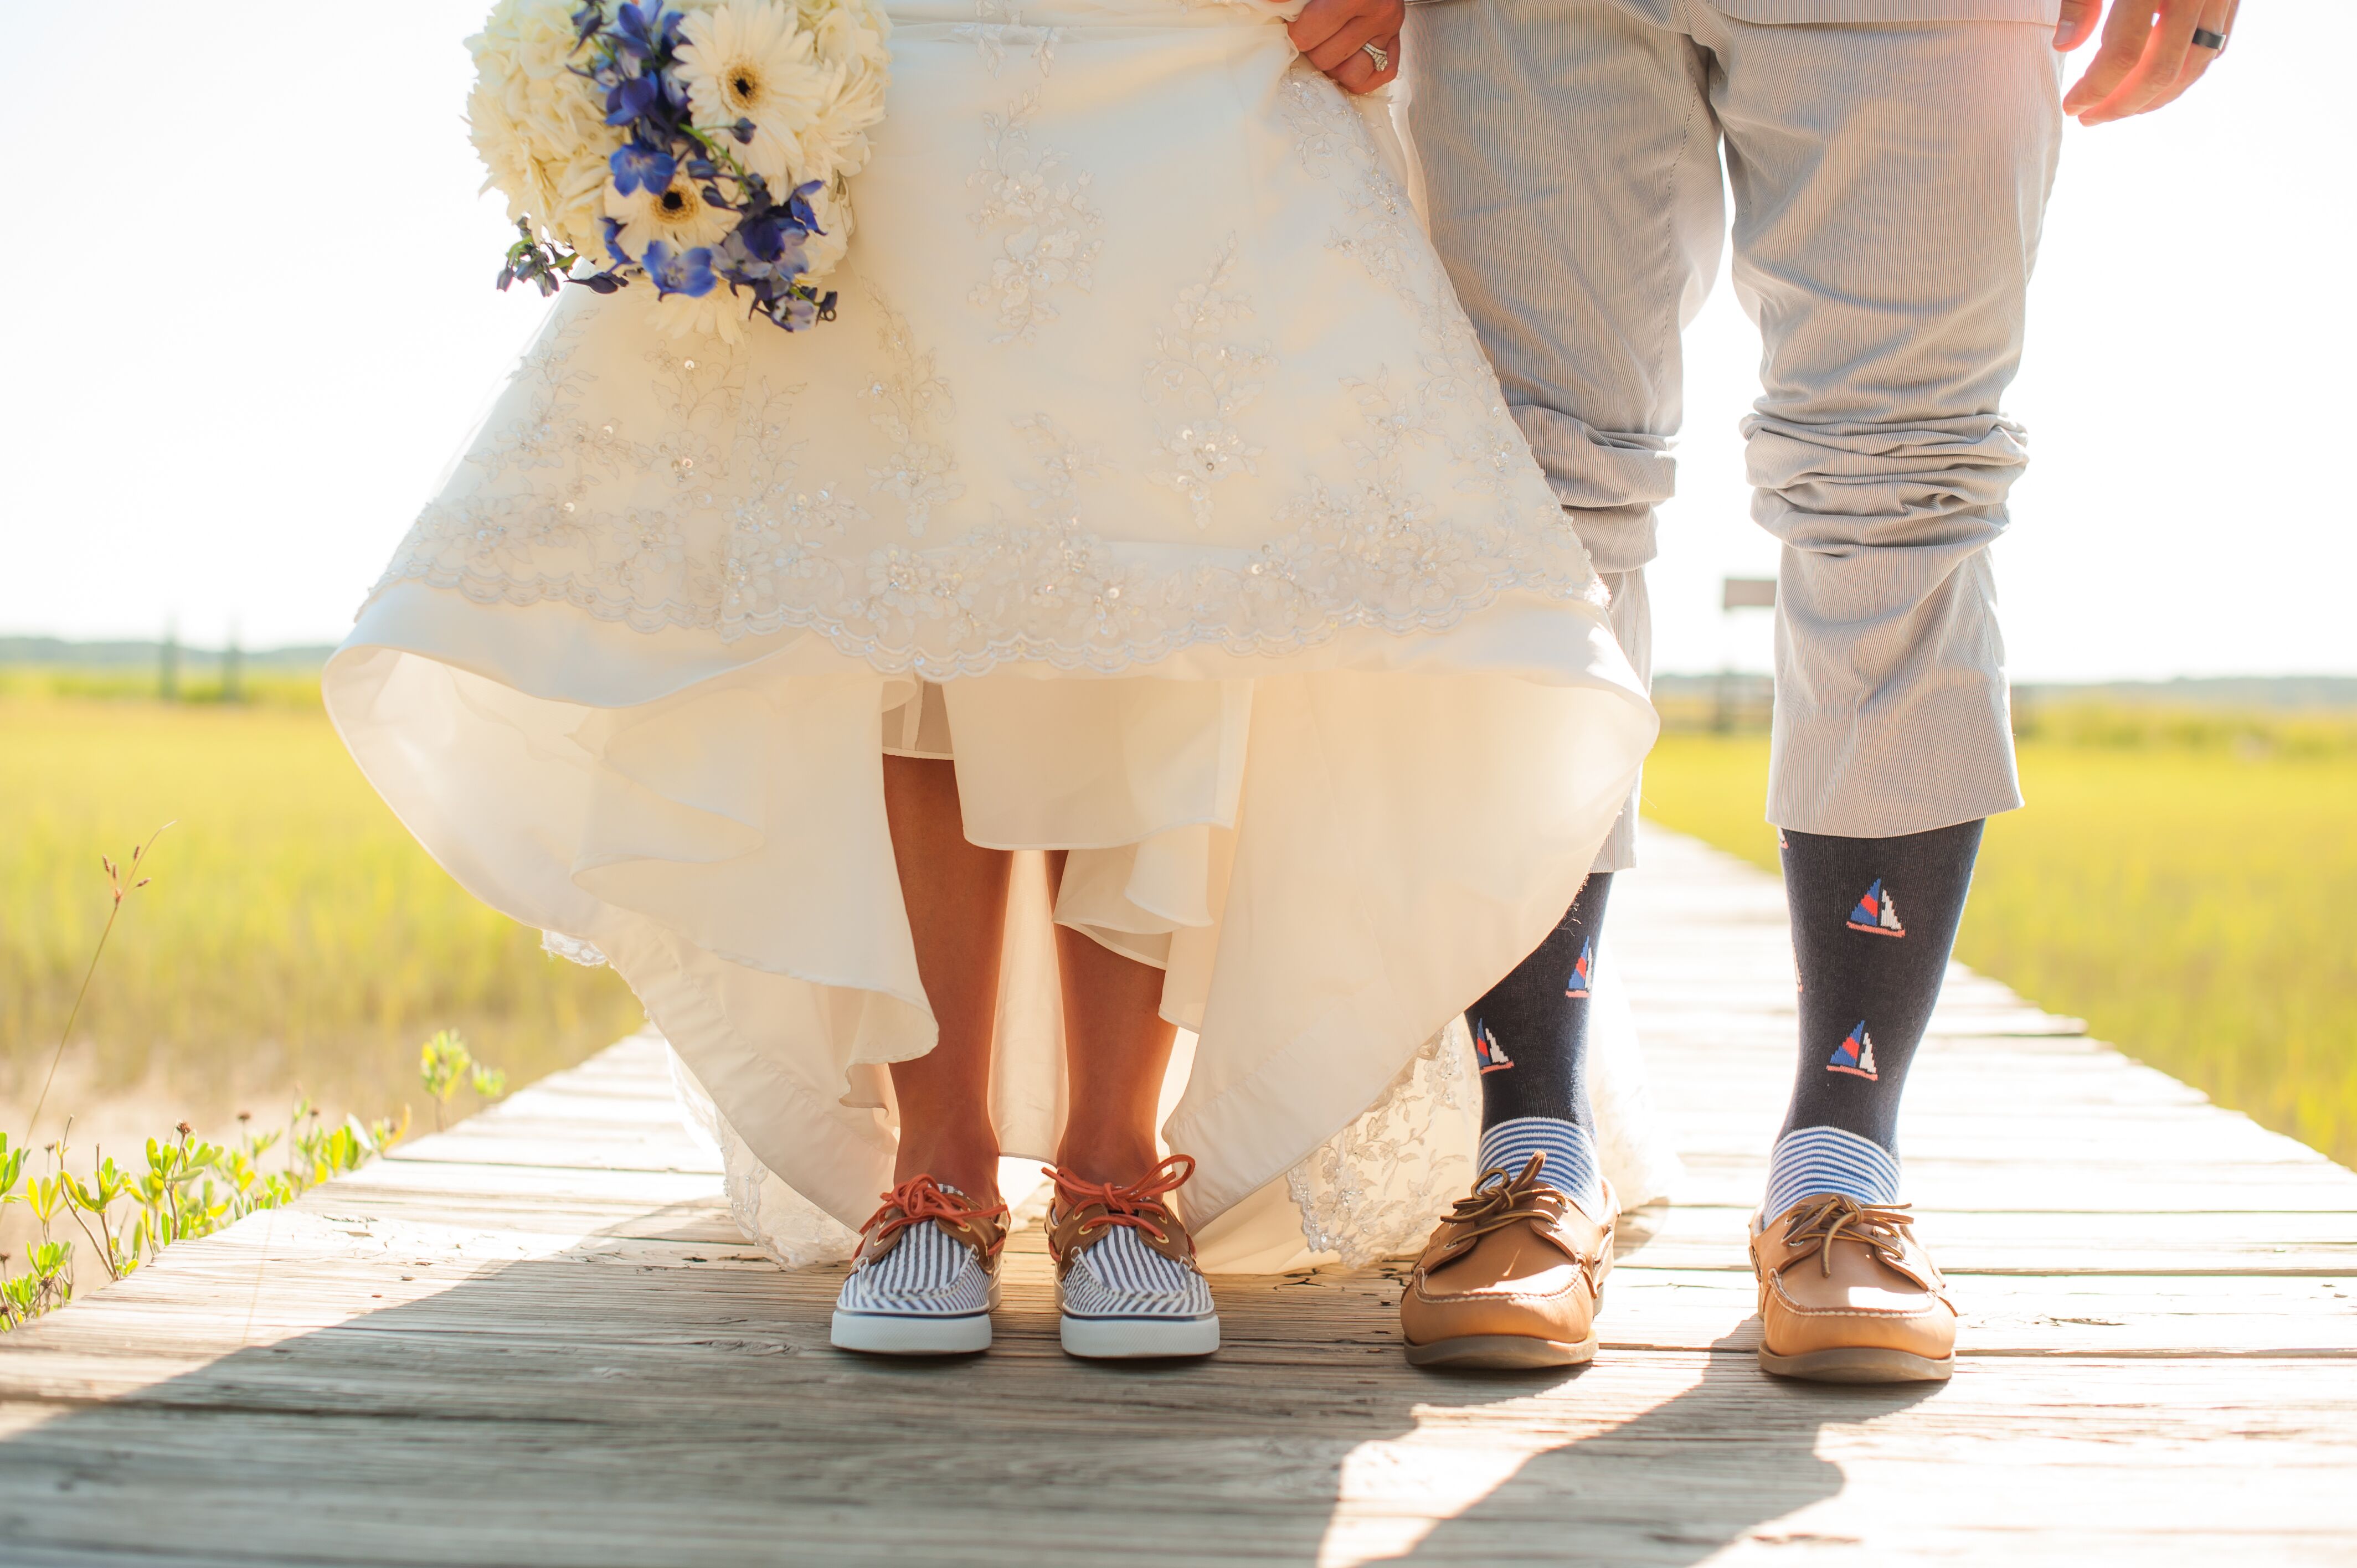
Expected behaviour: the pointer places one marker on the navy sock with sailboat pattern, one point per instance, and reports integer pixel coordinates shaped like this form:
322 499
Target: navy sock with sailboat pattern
1873 920
1530 1036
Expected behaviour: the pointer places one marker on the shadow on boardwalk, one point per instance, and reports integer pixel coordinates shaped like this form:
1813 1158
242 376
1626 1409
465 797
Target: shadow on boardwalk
584 1409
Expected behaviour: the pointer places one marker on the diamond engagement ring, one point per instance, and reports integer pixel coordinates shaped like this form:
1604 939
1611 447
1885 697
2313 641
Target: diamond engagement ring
1381 56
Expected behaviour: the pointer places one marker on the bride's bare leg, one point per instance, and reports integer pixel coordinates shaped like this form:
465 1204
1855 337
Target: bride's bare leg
956 896
1116 1048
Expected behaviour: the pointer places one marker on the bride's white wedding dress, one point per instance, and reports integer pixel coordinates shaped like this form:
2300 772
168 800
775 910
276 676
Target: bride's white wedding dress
1153 473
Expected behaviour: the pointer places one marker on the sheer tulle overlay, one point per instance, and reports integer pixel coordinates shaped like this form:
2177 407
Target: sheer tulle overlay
1152 459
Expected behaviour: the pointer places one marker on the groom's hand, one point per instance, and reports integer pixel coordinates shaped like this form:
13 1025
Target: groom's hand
1334 34
2148 57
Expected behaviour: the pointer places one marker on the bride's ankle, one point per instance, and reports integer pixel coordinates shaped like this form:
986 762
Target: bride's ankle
967 1163
1101 1155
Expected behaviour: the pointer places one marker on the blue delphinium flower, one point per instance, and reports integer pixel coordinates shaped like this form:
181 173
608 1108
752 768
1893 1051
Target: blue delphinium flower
680 272
798 206
613 227
801 310
631 97
642 30
638 166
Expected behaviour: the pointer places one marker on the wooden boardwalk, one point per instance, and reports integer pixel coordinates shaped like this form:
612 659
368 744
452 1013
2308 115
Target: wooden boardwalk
538 1339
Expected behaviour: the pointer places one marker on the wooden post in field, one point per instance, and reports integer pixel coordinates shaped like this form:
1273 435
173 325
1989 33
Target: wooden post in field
1737 594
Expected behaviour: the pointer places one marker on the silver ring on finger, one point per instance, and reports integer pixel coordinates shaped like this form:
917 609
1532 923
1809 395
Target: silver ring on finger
2204 38
1380 55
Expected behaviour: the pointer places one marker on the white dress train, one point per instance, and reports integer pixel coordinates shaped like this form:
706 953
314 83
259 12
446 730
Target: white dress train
1154 474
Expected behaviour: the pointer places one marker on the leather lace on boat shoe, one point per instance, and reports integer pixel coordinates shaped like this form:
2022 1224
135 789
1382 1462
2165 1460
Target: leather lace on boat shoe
1127 1281
1513 1277
1847 1295
926 1275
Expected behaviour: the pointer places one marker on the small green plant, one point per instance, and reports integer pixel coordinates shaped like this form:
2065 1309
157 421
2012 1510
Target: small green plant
116 884
444 1063
186 1187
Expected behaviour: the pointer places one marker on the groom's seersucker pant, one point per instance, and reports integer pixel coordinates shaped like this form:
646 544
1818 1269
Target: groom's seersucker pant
1890 180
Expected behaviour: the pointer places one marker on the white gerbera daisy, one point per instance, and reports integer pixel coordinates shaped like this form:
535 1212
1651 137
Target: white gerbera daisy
752 61
677 215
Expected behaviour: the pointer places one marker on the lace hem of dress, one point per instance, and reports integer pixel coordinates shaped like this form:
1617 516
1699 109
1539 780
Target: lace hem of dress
1371 1191
795 1233
1375 1188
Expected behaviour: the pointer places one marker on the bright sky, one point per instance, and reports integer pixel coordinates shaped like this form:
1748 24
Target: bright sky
235 430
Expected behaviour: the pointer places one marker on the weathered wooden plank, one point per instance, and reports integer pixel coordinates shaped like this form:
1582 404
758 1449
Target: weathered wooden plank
1698 1450
736 1305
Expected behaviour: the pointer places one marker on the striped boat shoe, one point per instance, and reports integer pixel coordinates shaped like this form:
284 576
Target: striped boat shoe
1126 1283
926 1277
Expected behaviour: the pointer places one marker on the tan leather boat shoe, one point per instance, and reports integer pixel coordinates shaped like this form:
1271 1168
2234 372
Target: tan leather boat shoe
1512 1278
1848 1295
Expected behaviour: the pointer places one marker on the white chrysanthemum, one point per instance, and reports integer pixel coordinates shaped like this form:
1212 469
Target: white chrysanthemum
677 215
724 314
539 127
852 34
867 14
823 252
753 60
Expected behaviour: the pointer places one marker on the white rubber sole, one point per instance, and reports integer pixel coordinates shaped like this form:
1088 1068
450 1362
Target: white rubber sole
881 1334
1138 1339
899 1334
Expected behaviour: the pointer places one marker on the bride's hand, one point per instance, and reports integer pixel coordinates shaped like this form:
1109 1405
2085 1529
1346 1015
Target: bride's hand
1334 36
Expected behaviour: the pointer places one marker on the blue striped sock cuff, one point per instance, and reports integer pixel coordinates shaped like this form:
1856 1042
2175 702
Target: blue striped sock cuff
1812 1160
1570 1151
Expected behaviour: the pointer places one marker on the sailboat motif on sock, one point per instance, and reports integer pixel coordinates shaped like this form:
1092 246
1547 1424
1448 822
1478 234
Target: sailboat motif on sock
1576 986
1486 1048
1854 1055
1876 914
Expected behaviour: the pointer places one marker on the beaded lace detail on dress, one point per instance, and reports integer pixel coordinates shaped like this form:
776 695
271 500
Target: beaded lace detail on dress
719 519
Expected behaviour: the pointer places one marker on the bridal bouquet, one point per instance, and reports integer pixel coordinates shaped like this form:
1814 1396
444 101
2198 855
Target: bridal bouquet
705 146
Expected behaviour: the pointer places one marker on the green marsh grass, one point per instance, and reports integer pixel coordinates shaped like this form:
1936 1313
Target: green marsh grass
295 940
2181 880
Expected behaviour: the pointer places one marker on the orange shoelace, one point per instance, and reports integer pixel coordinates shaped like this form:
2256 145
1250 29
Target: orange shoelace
921 1200
1138 1204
